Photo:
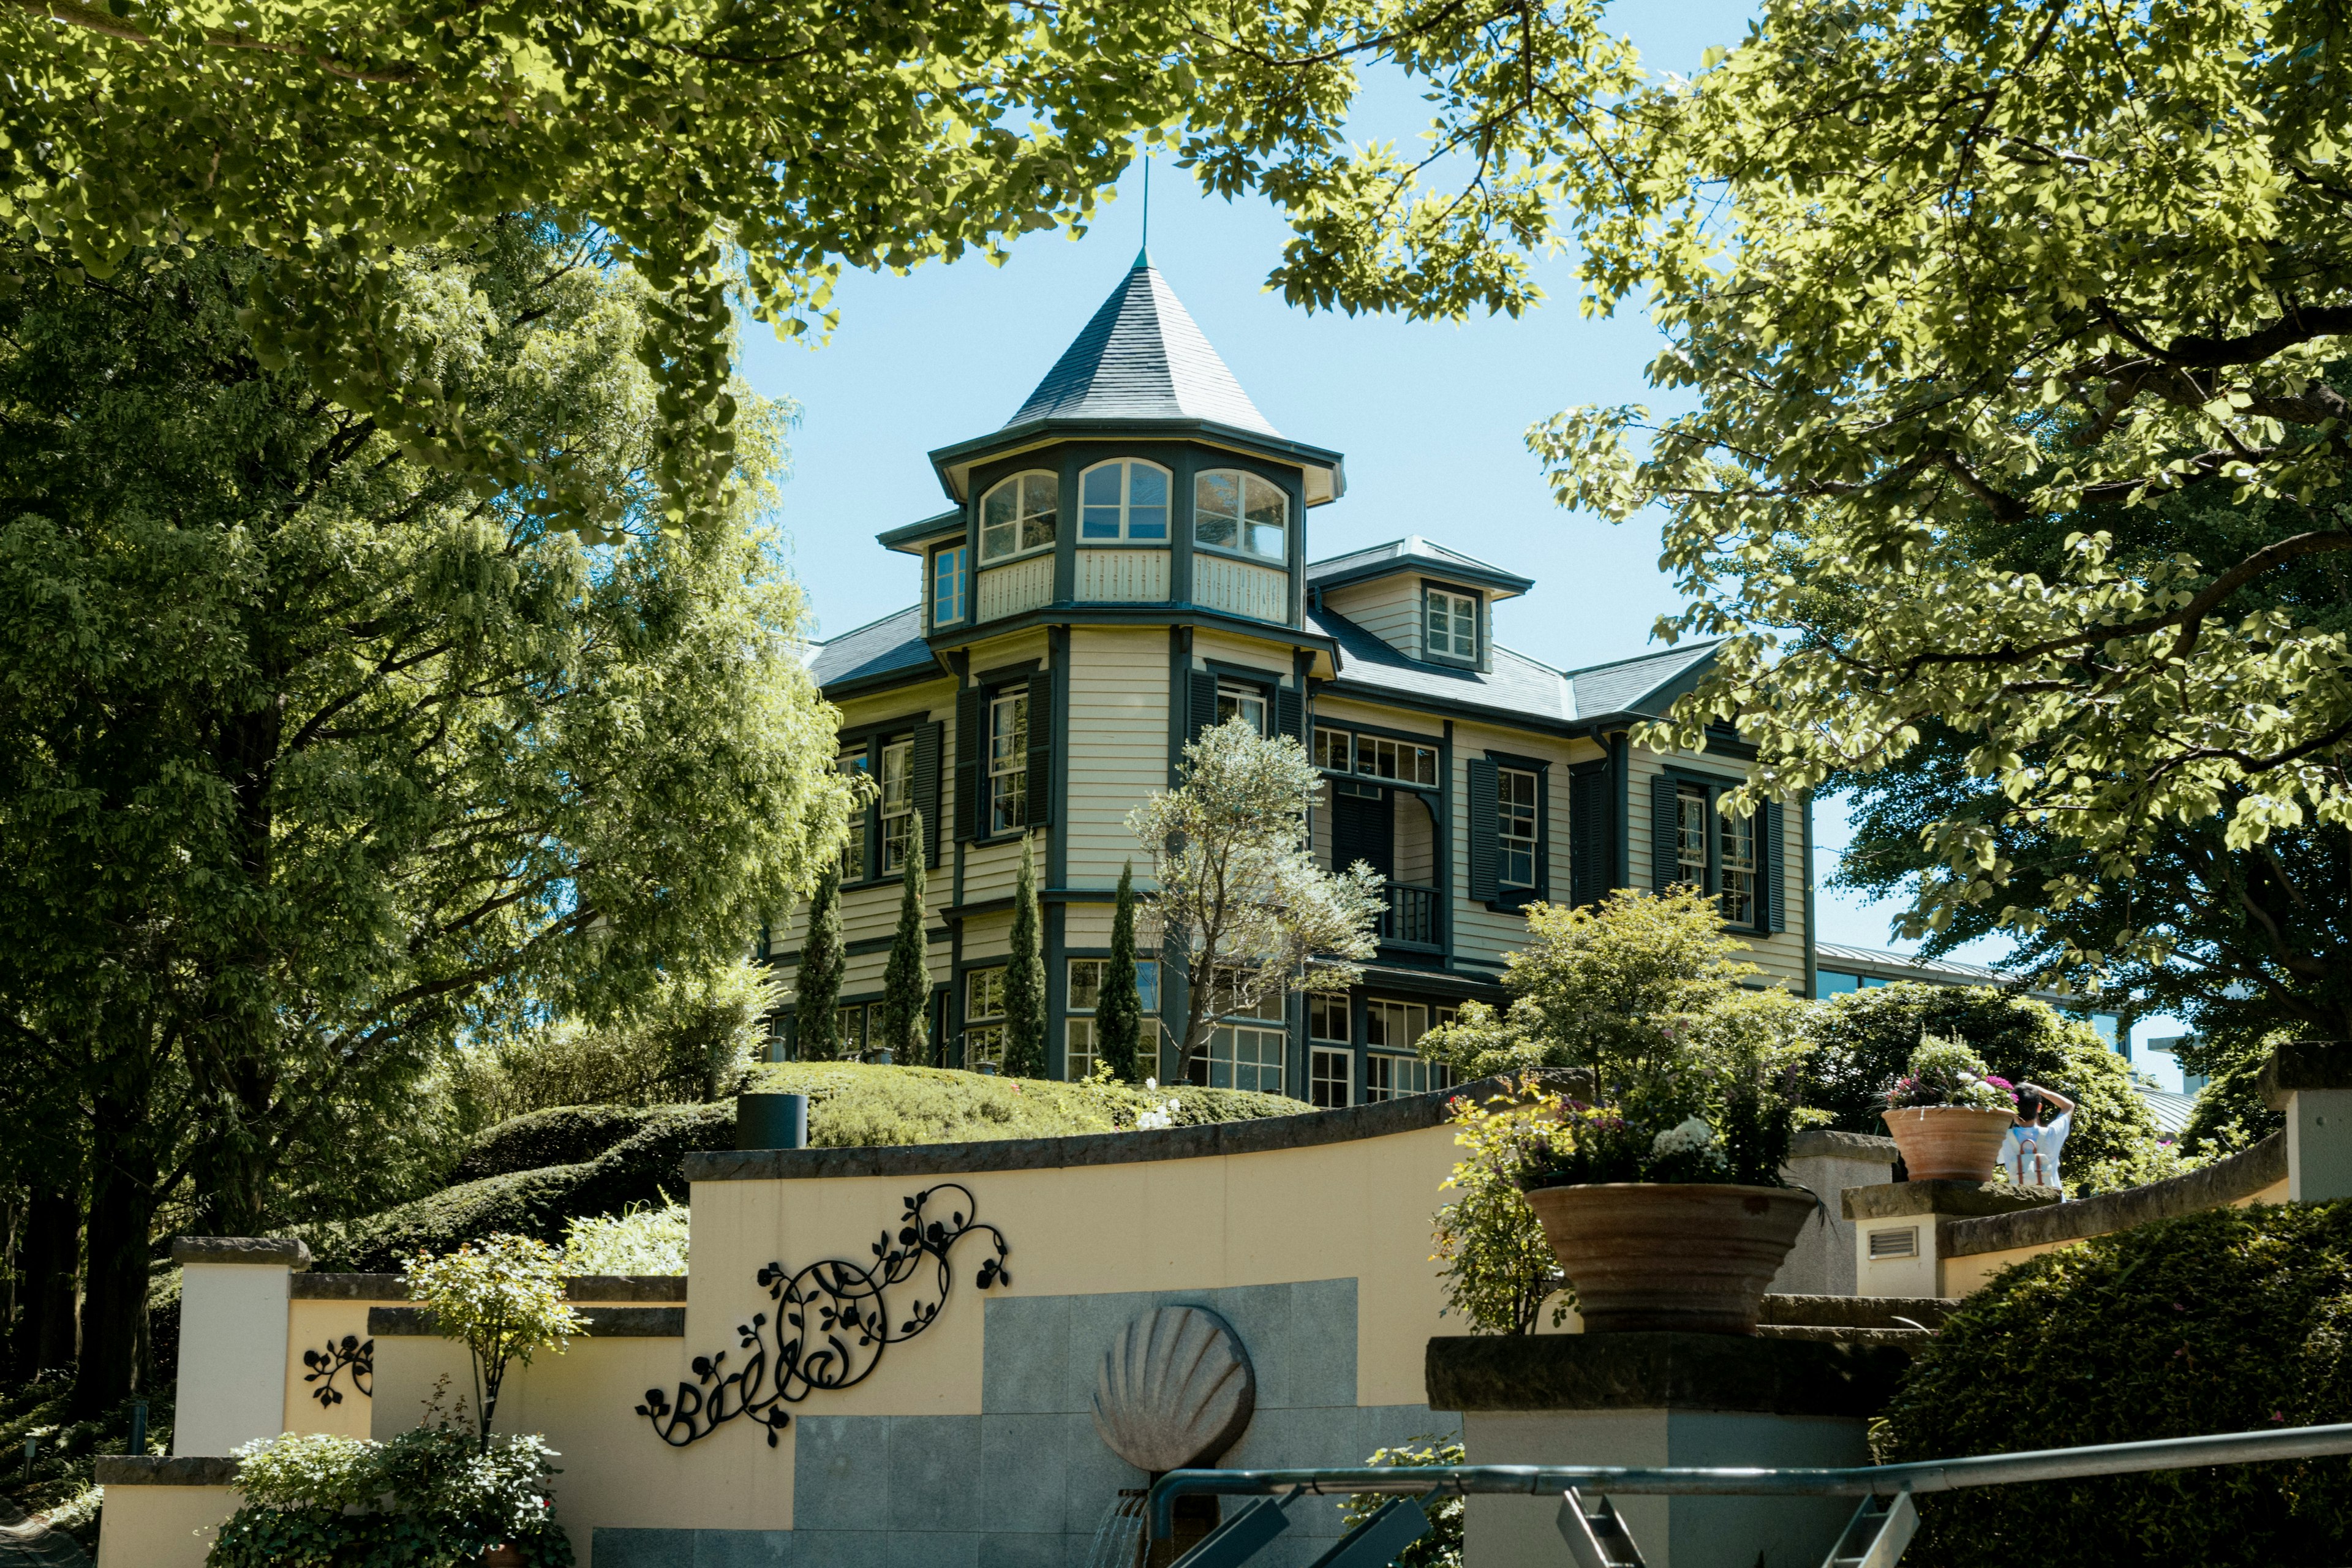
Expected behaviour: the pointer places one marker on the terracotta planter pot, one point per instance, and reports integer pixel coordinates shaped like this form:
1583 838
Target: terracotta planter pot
1671 1254
502 1556
1949 1143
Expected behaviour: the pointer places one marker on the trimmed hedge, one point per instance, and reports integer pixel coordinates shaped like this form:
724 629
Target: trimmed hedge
2234 1320
853 1106
535 1203
567 1136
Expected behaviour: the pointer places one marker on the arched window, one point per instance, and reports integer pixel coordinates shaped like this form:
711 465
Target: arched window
1232 511
1123 500
1018 516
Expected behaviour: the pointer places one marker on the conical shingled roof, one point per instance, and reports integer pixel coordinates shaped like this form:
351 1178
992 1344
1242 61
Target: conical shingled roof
1142 357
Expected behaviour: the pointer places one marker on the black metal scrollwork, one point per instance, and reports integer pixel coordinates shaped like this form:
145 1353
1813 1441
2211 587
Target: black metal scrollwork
351 1352
839 1325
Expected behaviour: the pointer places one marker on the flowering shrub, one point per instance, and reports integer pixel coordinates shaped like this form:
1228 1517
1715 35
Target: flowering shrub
1499 1269
640 1240
432 1497
1156 1115
1946 1073
503 1297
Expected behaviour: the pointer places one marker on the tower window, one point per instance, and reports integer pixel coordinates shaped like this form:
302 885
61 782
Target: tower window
1123 501
1008 763
1233 511
1018 516
1237 700
1453 628
946 586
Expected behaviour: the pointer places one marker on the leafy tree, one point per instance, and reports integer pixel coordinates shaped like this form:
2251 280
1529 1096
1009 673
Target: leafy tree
1024 976
802 138
315 760
502 1298
816 1023
2232 1111
1866 1037
1118 1014
1239 901
1499 1268
907 977
1935 277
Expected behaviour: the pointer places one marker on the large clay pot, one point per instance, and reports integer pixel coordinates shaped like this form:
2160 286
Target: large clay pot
502 1556
1949 1143
1693 1256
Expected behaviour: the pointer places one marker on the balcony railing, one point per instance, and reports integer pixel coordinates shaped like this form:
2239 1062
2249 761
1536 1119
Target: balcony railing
1410 918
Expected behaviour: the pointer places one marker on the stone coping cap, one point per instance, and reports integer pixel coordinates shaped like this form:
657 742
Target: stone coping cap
1857 1311
282 1251
1827 1142
598 1322
1891 1200
164 1470
577 1288
2217 1186
1667 1371
1306 1129
2306 1064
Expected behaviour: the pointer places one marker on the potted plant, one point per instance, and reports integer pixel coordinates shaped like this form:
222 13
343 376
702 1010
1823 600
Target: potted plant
1948 1113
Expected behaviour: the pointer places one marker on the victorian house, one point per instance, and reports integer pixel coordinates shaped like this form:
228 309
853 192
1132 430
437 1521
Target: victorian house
1127 561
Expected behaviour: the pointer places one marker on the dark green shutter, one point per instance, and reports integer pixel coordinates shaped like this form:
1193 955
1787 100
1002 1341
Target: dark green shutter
1486 829
1041 748
969 746
1543 833
1774 905
1290 715
1587 837
925 761
1665 841
1201 709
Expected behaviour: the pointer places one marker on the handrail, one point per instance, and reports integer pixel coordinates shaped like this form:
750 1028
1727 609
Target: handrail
1925 1475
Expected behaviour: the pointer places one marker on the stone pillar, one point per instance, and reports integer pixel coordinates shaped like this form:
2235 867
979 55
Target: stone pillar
1826 1163
2311 1082
1898 1228
1663 1399
233 1293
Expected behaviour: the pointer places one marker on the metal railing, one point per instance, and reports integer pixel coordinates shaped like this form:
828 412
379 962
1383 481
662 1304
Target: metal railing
1866 1481
1411 915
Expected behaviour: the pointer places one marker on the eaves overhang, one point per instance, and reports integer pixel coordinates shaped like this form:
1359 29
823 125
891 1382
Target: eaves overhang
911 537
1326 470
1478 575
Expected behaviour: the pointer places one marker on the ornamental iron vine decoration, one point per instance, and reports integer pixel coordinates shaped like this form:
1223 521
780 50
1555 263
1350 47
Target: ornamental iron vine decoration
351 1352
839 1324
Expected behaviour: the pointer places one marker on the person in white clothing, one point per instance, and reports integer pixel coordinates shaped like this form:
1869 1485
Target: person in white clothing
2030 1152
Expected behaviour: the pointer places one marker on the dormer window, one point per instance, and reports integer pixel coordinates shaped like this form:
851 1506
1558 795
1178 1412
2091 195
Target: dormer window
1123 501
1017 516
1233 511
1452 627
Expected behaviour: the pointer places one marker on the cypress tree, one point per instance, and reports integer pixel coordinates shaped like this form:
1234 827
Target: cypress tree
817 992
1118 1014
1024 978
906 978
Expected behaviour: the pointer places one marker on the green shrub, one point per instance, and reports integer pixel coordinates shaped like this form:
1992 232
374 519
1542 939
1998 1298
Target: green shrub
2233 1320
1442 1546
2231 1112
428 1497
1866 1038
852 1105
566 1135
539 1204
644 1240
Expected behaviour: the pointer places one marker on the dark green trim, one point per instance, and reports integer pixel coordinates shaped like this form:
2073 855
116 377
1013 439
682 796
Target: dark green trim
1039 434
1620 763
1179 669
1446 884
867 685
1812 956
1483 660
1490 577
929 531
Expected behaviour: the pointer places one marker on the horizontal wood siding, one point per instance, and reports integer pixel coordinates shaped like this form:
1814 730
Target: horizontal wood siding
1238 588
1389 609
1008 590
1118 745
1780 956
1122 576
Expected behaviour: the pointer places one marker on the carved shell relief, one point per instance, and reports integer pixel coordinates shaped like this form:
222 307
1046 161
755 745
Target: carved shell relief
1175 1389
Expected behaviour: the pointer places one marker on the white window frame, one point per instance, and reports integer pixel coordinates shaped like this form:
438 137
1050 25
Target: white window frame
1123 527
1248 488
1372 750
1008 764
948 580
1518 828
1086 1043
1691 803
1739 869
898 811
1444 612
1325 738
853 1036
1322 1008
1331 1078
1410 1019
853 847
983 1016
1389 1076
1265 1050
1242 695
1020 535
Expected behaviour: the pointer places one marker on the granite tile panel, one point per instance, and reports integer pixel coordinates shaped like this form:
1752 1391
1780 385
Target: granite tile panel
1023 1465
1004 1550
1321 1346
1026 1354
933 1549
742 1548
935 1472
841 1472
613 1548
844 1549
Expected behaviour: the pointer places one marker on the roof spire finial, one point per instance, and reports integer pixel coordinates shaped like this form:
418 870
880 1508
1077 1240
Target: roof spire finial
1143 255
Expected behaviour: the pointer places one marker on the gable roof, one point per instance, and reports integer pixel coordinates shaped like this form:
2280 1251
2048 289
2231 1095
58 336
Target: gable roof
1411 553
1645 683
886 647
1517 686
1142 357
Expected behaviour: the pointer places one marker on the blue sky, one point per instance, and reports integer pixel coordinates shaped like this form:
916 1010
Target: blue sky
1430 416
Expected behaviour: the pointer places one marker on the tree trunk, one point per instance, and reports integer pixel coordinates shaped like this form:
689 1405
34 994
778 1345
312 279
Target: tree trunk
121 1211
51 1270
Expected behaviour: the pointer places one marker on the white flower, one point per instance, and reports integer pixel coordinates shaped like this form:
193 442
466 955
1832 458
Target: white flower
1150 1086
1158 1118
1692 1136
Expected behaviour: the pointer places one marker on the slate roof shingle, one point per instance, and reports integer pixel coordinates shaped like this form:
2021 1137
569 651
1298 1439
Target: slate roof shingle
879 648
1411 549
1142 357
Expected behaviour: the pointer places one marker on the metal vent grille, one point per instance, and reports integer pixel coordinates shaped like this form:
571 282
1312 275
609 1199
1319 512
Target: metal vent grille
1904 1243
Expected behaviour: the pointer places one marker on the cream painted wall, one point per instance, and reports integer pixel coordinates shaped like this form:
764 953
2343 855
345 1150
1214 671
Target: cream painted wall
314 1326
233 1334
161 1527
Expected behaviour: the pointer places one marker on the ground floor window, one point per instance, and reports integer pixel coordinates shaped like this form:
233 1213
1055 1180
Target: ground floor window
1393 1032
849 1028
1239 1057
983 1017
1081 1044
1390 1076
1331 1078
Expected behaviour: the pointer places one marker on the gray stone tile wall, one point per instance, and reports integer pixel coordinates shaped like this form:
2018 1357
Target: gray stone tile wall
1027 1483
